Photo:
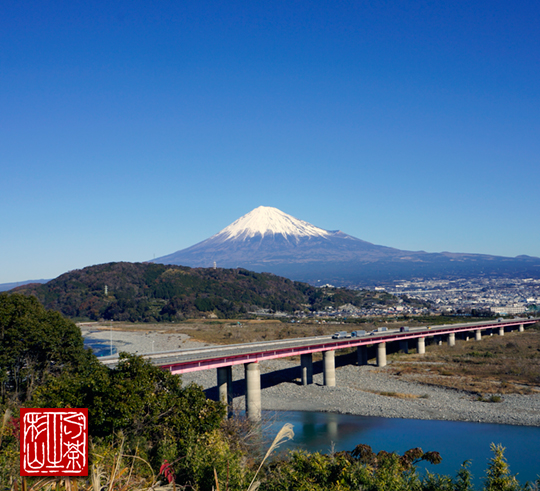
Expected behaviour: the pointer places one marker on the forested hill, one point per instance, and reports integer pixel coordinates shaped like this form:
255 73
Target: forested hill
154 292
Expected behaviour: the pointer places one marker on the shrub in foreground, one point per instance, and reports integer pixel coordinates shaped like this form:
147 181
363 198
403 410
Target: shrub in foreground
158 417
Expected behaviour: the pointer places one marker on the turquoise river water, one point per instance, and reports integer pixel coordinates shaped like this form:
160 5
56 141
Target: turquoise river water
455 441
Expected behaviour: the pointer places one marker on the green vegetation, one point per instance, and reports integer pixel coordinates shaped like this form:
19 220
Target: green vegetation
359 469
146 428
156 418
149 406
34 343
145 292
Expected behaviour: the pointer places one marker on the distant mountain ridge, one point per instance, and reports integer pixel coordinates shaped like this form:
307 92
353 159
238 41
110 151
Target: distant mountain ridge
146 292
4 287
267 239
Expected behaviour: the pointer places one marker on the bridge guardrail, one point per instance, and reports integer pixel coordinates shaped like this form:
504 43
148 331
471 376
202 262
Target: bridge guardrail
236 354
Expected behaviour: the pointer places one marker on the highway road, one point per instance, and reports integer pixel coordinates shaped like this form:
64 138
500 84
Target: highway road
215 356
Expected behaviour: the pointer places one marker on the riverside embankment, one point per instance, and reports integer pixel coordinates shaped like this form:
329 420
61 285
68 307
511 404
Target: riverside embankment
364 390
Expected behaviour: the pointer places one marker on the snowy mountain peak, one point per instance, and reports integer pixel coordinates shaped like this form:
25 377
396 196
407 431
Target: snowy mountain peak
266 220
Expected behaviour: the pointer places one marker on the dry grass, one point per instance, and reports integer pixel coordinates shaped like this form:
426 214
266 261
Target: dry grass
495 365
398 395
286 433
227 331
235 332
107 473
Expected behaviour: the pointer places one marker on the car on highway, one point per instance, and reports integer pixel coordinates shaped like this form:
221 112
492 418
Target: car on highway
357 334
341 335
404 329
378 331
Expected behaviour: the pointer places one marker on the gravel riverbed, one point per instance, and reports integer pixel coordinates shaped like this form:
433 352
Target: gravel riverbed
141 341
358 388
358 391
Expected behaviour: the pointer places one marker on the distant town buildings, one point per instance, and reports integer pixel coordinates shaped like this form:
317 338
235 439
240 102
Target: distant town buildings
476 297
469 296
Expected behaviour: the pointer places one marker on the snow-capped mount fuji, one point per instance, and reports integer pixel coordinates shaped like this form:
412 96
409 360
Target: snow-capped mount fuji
267 239
266 221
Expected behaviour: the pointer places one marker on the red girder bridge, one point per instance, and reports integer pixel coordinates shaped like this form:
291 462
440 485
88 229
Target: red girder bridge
223 358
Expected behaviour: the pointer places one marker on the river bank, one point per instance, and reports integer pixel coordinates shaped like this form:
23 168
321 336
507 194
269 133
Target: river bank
135 341
373 391
360 390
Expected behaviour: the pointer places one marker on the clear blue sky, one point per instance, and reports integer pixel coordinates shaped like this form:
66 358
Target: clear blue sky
132 129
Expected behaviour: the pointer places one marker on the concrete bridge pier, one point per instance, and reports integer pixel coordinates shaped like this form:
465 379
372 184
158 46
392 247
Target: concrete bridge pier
404 346
478 335
381 355
224 382
501 330
306 362
438 340
421 346
452 339
465 336
329 368
361 353
253 391
521 328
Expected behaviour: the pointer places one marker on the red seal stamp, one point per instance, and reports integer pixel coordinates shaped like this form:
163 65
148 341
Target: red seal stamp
54 442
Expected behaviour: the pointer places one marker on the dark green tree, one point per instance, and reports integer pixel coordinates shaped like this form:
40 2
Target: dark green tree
158 417
34 343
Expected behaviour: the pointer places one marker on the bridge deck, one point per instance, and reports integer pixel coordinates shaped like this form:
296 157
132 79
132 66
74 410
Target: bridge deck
189 360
